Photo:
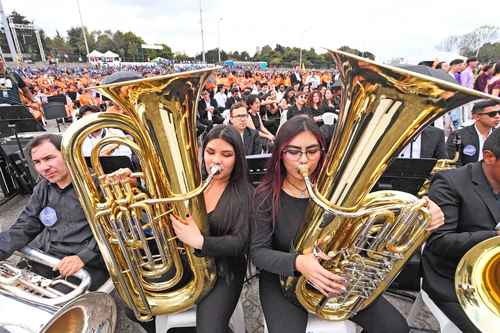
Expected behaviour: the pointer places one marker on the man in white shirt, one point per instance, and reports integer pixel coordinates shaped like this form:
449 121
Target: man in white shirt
94 137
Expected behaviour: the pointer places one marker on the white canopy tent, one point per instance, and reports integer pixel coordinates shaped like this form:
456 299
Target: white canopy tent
110 54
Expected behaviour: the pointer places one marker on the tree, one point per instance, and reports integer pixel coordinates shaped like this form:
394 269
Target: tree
105 42
489 52
57 46
76 42
469 44
18 18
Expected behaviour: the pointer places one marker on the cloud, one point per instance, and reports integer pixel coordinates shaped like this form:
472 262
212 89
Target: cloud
388 28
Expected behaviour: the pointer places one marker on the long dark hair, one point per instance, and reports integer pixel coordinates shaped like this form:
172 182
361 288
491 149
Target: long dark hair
276 172
239 187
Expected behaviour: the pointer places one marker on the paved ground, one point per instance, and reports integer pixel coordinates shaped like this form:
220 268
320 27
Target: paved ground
423 321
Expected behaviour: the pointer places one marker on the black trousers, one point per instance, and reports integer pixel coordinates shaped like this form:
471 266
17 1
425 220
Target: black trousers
214 311
284 316
455 312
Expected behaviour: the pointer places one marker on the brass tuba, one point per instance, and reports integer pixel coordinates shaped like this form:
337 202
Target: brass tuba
32 303
368 236
131 223
477 284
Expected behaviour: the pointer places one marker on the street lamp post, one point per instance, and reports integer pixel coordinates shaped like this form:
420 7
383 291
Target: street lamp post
202 35
218 37
301 44
83 29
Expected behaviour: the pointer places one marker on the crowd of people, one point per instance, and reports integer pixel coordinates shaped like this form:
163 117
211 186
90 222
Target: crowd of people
291 115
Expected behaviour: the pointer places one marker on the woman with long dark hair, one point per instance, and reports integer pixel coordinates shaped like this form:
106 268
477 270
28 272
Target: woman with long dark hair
280 204
228 204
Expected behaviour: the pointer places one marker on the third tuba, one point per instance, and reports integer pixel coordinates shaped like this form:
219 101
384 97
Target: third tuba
368 236
131 222
477 284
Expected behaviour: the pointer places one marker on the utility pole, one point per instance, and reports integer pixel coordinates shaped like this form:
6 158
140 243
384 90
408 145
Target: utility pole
218 37
202 35
83 29
6 28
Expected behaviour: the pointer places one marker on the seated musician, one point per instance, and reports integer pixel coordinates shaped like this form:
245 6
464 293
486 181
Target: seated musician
252 143
428 144
94 137
55 215
470 199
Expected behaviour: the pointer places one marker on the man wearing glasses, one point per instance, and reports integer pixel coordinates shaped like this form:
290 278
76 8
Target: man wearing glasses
486 116
239 119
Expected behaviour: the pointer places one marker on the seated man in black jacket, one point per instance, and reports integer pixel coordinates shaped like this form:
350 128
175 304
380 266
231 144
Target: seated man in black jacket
208 111
54 212
470 199
486 116
250 137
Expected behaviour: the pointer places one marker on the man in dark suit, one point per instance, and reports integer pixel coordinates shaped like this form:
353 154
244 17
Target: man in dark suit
487 116
208 110
295 77
470 199
233 98
250 137
429 144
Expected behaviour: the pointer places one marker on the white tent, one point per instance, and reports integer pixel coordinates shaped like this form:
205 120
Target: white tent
95 54
110 54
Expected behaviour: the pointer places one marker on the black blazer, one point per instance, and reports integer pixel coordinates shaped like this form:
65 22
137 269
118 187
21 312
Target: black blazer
469 145
471 213
294 80
217 118
432 144
252 141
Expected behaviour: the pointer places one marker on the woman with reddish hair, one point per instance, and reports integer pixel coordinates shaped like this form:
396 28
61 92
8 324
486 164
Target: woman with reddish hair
280 204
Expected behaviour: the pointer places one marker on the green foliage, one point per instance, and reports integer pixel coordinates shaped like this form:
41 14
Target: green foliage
489 52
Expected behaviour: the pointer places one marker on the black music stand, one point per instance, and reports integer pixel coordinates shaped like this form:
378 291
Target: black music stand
406 175
16 119
55 110
57 98
257 167
112 163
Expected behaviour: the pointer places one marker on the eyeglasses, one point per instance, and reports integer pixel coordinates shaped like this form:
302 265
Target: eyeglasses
296 154
301 96
491 114
240 116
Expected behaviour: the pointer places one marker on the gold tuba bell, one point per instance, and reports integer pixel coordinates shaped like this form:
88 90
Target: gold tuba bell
131 223
368 236
477 284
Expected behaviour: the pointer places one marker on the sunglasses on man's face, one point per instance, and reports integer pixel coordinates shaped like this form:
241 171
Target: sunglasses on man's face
491 114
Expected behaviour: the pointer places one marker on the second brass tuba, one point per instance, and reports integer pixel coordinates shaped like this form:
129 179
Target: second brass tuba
477 284
131 223
368 236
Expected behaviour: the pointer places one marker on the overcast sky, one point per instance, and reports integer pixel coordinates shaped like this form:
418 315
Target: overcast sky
388 28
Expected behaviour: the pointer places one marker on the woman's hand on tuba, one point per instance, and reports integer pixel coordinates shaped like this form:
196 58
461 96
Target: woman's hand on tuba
328 283
437 215
187 231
